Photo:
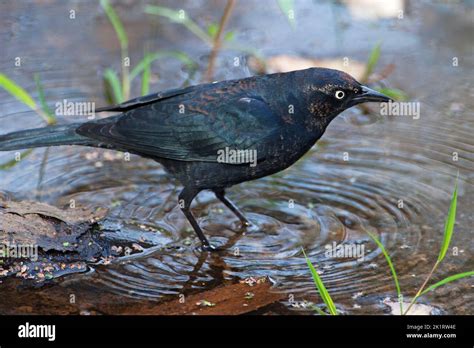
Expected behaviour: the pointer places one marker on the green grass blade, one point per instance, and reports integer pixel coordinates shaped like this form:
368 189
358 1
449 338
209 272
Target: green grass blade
113 83
392 268
116 23
146 76
288 9
169 13
319 310
449 226
372 62
393 93
19 93
321 288
176 17
48 114
151 57
448 280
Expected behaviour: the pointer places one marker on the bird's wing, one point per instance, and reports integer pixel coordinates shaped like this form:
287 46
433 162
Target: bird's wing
243 123
146 100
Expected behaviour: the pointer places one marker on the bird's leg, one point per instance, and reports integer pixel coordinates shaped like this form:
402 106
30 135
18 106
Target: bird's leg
185 198
220 194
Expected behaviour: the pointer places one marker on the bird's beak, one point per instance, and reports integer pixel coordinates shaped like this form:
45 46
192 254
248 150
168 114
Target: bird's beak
370 95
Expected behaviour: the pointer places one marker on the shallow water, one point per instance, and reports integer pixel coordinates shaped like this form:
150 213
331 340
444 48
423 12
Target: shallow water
320 200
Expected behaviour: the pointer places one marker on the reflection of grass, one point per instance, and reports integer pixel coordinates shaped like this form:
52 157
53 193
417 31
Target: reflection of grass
13 162
448 233
118 90
23 96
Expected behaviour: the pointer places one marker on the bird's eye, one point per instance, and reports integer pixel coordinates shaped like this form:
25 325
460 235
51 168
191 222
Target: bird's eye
339 94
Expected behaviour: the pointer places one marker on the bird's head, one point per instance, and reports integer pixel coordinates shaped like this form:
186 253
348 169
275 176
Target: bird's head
329 92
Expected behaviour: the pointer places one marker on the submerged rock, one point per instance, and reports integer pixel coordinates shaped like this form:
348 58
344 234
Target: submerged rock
416 309
45 226
41 242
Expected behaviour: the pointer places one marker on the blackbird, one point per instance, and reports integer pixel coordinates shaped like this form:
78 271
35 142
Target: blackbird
213 136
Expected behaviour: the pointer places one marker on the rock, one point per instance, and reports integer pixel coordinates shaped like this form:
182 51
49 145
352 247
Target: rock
41 242
416 309
48 227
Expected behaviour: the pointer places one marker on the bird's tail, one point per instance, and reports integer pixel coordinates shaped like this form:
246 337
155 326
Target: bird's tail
41 137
